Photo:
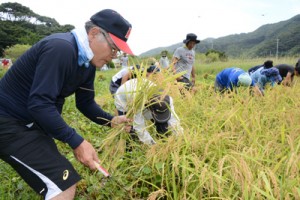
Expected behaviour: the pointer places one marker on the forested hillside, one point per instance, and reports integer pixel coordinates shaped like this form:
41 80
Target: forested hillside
261 42
20 25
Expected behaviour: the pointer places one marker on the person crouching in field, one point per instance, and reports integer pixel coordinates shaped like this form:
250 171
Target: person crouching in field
264 76
287 73
128 73
159 109
33 92
231 78
121 77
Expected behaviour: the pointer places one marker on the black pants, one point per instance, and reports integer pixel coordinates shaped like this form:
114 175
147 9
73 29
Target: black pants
188 84
34 155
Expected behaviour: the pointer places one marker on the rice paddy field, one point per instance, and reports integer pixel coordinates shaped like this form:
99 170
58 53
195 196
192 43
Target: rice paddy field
234 146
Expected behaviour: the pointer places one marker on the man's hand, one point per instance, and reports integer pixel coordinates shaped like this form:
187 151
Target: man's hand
128 128
286 83
117 120
86 154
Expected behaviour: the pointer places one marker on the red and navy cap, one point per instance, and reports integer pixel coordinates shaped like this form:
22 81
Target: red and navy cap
117 27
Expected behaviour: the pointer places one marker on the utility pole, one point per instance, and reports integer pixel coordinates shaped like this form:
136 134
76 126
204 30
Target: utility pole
212 44
277 44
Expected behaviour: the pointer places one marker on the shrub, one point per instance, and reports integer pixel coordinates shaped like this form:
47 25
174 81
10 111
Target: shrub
16 51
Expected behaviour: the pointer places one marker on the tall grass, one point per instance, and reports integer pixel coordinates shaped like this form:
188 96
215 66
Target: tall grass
233 147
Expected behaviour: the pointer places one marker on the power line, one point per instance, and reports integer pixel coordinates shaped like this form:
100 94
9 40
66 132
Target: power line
277 44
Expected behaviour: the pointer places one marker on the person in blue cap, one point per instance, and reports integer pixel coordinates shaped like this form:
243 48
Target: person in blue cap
264 76
33 93
233 77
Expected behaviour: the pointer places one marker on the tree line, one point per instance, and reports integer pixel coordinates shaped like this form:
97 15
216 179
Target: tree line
20 25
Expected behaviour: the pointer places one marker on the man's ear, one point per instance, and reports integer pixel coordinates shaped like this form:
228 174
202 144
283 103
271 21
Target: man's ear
94 31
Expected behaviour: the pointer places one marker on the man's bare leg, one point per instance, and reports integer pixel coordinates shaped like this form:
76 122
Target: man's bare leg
68 194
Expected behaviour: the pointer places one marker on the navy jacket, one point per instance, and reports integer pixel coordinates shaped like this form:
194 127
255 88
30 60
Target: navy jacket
35 87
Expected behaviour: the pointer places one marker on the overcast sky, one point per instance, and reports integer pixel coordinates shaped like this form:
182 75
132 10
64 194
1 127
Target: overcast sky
160 23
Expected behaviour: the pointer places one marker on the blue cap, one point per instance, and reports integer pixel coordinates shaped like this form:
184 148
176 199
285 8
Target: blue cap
272 73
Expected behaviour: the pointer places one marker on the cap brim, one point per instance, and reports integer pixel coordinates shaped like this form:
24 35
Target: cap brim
244 84
186 41
122 45
161 117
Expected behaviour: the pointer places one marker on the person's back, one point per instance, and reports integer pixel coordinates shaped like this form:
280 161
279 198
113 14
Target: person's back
125 94
229 77
256 74
117 79
23 83
284 69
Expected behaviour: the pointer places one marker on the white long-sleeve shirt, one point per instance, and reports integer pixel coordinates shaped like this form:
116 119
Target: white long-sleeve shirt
124 98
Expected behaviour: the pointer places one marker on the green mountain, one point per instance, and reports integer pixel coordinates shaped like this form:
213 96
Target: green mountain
262 42
20 25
